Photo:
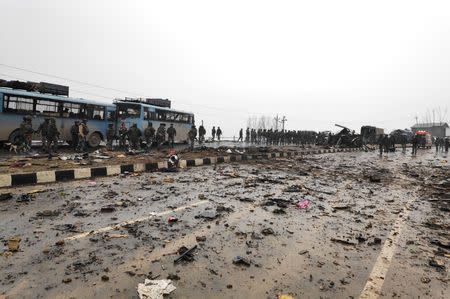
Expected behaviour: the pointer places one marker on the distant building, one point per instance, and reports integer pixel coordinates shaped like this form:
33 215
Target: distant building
435 129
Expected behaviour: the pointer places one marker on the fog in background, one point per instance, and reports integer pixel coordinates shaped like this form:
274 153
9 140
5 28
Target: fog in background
317 62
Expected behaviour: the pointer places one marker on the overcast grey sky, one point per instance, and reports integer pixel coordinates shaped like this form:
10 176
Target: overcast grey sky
316 62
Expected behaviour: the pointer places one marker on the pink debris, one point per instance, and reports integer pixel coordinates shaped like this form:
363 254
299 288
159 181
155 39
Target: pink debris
303 204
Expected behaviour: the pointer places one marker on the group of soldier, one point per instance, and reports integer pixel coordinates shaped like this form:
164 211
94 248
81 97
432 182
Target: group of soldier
49 135
387 143
132 138
442 143
215 133
283 137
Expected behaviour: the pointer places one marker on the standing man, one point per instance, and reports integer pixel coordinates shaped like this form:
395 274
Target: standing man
247 135
415 144
201 133
381 144
52 137
25 133
123 132
241 135
134 135
171 132
219 133
160 135
110 136
83 131
74 132
149 135
192 135
43 130
447 143
213 133
404 140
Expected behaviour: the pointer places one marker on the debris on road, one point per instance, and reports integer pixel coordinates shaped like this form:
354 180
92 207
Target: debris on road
13 244
117 236
267 231
155 289
239 260
5 196
185 254
303 204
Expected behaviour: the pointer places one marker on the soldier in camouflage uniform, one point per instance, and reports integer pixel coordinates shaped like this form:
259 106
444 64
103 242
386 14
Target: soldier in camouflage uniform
192 135
171 133
52 137
74 132
25 133
149 135
43 130
134 135
161 135
110 136
123 137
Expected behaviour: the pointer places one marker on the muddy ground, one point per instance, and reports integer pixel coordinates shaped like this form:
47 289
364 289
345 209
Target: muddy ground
87 239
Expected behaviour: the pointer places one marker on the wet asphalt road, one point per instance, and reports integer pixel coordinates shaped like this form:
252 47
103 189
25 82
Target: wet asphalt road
116 230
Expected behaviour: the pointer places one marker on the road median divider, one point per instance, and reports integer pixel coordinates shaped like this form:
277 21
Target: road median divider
52 176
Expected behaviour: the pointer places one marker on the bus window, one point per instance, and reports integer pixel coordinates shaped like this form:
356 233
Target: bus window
160 115
95 112
72 110
127 110
184 118
146 113
111 115
47 107
17 104
171 116
99 113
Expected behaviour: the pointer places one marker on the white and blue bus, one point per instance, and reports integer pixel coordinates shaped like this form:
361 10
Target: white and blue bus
156 111
15 104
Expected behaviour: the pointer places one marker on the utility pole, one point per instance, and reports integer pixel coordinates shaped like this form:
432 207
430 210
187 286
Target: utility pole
283 120
278 120
417 121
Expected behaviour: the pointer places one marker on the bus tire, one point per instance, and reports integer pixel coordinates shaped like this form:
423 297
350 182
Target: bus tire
94 140
14 137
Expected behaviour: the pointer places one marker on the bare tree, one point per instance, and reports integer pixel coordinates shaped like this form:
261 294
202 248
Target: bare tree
441 114
435 115
263 122
252 122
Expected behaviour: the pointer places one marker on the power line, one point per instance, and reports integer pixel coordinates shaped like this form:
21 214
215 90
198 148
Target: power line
80 91
96 86
70 80
114 89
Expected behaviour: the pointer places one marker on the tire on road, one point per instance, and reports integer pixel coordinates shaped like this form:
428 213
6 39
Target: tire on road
14 137
94 140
